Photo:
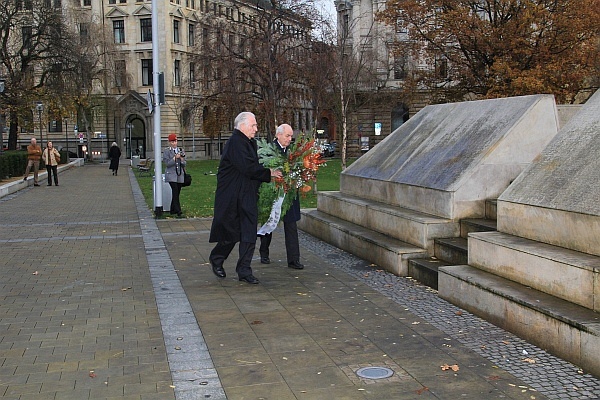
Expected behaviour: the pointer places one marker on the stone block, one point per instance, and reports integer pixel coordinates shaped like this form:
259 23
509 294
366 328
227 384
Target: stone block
449 158
555 200
563 273
400 223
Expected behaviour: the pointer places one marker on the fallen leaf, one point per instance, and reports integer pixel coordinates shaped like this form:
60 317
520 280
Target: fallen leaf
529 360
446 367
459 313
422 390
256 322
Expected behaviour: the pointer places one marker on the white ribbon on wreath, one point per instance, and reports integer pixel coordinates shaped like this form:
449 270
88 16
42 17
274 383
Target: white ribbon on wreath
273 220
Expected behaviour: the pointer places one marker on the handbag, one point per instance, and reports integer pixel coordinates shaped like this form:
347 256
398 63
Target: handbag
187 179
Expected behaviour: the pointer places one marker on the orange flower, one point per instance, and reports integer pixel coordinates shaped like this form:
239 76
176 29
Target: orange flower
305 189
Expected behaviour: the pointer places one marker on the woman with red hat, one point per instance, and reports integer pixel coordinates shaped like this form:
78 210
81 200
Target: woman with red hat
174 159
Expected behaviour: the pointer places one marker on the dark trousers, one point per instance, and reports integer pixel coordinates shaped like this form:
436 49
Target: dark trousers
292 245
52 169
175 190
221 251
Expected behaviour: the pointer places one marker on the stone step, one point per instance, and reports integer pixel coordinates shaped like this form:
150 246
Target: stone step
491 208
469 225
425 270
566 330
560 272
453 251
406 225
389 253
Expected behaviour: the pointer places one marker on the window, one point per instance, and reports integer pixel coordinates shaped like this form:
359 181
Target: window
87 3
191 34
399 68
147 72
120 73
177 73
119 30
441 67
146 29
176 31
192 74
55 126
112 1
26 33
84 34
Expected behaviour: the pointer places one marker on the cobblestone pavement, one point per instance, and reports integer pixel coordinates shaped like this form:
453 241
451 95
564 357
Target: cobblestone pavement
98 300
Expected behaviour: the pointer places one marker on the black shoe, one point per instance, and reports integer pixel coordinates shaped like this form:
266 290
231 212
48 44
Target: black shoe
295 265
218 270
249 279
25 178
36 184
49 184
265 260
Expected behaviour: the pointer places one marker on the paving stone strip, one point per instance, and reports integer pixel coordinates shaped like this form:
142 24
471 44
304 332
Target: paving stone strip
192 369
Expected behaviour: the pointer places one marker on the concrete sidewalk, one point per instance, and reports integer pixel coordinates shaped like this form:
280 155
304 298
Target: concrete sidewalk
98 300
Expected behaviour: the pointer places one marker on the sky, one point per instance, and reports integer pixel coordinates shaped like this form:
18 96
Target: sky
328 6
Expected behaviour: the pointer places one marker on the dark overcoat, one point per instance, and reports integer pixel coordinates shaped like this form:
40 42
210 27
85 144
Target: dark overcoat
240 174
293 213
114 153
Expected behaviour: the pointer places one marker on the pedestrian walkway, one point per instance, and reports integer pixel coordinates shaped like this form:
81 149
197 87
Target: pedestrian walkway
98 300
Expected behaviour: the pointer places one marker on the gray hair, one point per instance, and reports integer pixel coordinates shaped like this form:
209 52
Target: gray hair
114 144
242 118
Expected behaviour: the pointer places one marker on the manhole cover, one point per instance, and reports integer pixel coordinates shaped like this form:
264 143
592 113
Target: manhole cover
374 372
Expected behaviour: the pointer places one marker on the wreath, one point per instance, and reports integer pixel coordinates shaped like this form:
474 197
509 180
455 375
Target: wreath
299 167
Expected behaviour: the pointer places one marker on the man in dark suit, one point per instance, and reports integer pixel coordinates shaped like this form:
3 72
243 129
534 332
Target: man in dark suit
283 138
236 199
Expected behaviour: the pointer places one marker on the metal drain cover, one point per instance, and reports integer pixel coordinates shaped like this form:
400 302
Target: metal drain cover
375 372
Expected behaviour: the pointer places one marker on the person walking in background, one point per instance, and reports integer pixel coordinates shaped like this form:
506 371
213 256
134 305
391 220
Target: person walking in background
174 159
34 153
114 154
236 199
283 138
51 158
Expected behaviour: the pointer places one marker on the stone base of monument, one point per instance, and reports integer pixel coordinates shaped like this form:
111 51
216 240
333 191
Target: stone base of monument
388 253
558 326
539 275
400 223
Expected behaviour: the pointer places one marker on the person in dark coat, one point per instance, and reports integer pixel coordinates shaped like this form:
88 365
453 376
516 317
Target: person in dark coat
236 199
283 138
114 154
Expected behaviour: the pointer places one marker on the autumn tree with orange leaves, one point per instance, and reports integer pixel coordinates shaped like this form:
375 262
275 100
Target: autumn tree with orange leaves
496 48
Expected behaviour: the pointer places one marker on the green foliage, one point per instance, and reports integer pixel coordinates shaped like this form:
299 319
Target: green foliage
198 199
12 163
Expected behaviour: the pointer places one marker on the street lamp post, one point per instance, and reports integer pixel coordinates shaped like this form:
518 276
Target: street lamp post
130 128
39 106
67 137
2 121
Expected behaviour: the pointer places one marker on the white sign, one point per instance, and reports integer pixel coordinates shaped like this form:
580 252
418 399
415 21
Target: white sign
377 128
149 100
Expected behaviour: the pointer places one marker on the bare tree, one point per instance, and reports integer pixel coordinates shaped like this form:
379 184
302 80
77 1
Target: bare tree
359 71
256 64
30 49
